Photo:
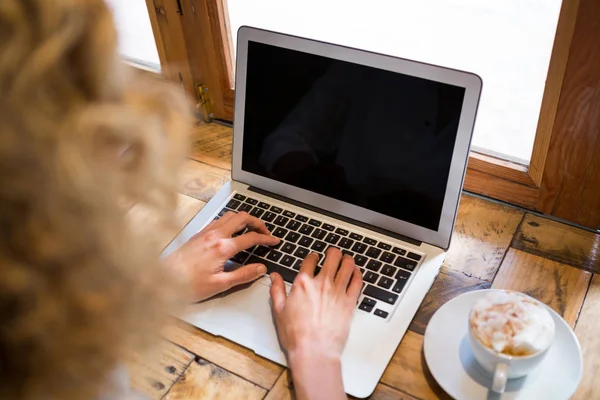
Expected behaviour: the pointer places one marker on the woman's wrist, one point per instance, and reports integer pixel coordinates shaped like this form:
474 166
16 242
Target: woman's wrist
316 374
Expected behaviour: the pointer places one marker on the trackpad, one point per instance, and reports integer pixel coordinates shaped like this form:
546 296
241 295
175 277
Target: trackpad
244 316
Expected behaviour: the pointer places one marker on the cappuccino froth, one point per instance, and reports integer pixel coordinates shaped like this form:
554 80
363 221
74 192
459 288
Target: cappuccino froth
512 323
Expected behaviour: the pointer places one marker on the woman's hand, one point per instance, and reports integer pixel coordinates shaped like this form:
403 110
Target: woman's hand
202 259
313 323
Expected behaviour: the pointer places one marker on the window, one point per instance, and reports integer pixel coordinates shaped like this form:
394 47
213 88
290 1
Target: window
136 39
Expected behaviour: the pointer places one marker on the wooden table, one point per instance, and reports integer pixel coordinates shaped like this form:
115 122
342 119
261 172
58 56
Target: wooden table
493 245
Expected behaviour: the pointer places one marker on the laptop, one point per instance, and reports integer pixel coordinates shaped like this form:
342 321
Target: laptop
334 146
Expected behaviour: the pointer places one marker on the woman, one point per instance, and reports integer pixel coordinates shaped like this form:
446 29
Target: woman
80 140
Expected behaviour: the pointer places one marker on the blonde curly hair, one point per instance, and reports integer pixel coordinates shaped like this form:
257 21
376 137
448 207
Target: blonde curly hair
80 138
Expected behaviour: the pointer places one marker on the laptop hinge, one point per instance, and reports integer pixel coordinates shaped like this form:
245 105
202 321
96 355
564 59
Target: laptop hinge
337 216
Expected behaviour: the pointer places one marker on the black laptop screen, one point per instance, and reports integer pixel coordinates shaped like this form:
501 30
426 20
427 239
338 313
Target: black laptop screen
373 138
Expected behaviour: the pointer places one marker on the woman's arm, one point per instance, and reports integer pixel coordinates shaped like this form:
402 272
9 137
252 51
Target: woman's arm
313 322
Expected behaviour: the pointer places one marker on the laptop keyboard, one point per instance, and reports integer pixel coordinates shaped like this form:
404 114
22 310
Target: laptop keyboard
386 268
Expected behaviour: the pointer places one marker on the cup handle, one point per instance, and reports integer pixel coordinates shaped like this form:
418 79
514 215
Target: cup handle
500 377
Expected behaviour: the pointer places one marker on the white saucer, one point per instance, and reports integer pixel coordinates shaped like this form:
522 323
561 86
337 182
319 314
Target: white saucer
449 358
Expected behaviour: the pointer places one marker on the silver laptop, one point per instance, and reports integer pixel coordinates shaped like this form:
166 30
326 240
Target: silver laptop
340 147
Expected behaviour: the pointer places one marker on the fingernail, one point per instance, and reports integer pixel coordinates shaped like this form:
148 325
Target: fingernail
272 278
261 270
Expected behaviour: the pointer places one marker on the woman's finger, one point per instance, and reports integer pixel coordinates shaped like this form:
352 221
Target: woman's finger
331 264
243 220
356 284
344 274
309 264
250 239
278 295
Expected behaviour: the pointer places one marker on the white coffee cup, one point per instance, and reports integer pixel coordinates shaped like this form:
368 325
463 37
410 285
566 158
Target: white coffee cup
503 366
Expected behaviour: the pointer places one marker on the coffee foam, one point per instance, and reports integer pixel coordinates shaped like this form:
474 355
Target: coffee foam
512 323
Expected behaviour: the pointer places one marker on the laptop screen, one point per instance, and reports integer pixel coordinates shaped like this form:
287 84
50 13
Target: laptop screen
366 136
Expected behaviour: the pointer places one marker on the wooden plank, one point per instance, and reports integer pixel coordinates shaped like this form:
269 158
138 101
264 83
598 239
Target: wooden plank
212 144
482 234
574 144
203 380
554 82
559 242
228 355
501 168
587 333
559 286
145 220
408 371
446 286
170 39
284 390
501 189
154 372
202 181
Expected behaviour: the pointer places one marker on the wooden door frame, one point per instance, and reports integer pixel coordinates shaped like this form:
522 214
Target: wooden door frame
195 31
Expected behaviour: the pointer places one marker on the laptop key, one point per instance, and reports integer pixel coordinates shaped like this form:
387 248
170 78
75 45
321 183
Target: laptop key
261 251
328 227
314 222
370 241
370 277
405 263
274 255
403 275
374 265
276 210
306 229
287 274
297 265
348 253
268 216
387 257
281 220
399 286
384 246
270 227
233 204
388 270
289 214
373 252
365 307
385 282
414 256
346 243
239 197
257 212
381 313
399 251
301 252
292 237
359 247
318 246
356 236
369 301
341 232
280 232
288 248
301 218
264 205
319 234
293 225
305 241
360 260
251 201
288 260
224 211
245 207
332 238
380 294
